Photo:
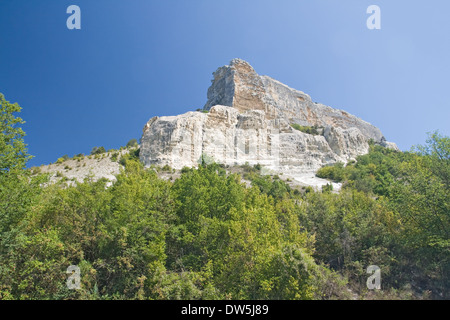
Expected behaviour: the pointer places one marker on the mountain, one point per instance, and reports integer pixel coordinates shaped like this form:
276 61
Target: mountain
254 119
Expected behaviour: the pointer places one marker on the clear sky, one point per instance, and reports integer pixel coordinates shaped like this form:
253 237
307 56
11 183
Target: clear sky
132 60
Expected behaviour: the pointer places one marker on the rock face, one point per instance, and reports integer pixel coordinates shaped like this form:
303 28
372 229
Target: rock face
248 118
239 86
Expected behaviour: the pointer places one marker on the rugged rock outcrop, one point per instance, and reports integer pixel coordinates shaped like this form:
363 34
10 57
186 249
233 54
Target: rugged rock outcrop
238 85
249 118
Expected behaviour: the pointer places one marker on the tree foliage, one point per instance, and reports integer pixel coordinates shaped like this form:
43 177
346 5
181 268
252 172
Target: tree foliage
414 187
13 152
98 150
207 235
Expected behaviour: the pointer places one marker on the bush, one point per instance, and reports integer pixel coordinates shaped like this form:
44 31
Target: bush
133 156
335 173
114 156
327 188
62 159
185 170
123 161
132 143
35 170
135 153
248 168
97 150
306 129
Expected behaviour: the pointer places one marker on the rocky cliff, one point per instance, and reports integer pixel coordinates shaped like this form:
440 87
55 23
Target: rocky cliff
251 118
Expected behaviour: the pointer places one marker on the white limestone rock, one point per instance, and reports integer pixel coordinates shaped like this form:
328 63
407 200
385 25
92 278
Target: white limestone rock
249 121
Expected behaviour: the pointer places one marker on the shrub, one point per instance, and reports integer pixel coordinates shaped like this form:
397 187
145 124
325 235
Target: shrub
135 153
185 170
306 129
248 168
35 170
327 188
132 143
335 173
123 161
309 189
114 156
97 150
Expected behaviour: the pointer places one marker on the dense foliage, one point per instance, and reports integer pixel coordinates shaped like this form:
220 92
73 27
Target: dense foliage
206 235
13 152
413 188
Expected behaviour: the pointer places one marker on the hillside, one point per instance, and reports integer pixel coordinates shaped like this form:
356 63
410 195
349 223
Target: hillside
218 231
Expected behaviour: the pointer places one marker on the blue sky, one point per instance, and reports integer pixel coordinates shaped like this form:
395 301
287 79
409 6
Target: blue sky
133 60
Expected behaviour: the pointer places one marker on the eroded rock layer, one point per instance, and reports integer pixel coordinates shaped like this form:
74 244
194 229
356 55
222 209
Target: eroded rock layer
250 118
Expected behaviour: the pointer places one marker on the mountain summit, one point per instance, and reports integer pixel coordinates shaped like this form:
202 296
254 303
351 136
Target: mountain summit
254 119
238 85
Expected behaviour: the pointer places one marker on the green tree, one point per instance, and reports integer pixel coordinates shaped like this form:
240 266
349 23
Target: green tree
13 152
437 151
421 196
19 192
134 253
